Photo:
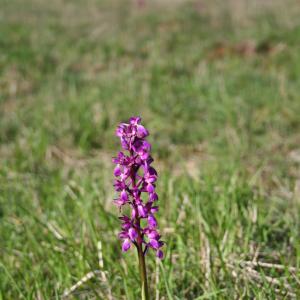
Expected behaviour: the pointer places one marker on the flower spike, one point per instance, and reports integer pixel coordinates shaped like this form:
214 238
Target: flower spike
130 184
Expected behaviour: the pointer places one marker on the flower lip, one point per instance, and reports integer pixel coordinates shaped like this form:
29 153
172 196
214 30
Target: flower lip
126 245
154 243
124 196
152 221
150 188
117 171
142 131
153 234
142 211
153 197
154 209
132 234
159 254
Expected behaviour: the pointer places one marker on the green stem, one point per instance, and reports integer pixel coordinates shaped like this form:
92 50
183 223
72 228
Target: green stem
142 263
143 273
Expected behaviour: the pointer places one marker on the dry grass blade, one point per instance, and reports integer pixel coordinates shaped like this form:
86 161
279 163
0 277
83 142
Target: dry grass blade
101 266
274 281
268 265
252 274
55 231
91 275
281 292
80 282
205 253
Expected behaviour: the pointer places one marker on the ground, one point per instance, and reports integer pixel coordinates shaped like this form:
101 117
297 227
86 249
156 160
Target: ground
217 84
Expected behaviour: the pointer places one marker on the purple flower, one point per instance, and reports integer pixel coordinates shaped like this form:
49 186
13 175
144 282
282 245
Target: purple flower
153 197
150 188
132 234
142 211
152 221
141 131
124 196
135 176
159 254
126 245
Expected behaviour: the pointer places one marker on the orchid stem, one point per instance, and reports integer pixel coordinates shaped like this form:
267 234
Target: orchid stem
143 273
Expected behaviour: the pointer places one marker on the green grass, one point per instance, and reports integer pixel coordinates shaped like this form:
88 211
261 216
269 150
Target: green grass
225 129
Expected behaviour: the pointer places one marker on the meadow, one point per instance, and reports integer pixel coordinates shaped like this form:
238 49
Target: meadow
217 83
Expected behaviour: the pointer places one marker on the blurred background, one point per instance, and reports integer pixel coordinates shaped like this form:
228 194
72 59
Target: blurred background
217 84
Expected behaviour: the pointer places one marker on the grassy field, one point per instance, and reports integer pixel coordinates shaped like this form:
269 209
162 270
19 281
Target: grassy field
216 82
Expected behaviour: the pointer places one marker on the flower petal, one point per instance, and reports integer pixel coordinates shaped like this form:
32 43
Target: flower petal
154 243
142 211
153 197
124 196
126 245
150 188
117 171
153 235
142 132
159 254
152 221
135 120
132 234
154 209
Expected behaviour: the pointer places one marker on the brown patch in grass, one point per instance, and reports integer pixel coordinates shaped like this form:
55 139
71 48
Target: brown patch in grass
247 48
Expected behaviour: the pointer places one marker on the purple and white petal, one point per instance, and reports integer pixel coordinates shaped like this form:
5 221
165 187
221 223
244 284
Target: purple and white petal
126 245
154 244
132 234
124 196
142 211
117 171
142 132
153 197
152 221
159 254
150 188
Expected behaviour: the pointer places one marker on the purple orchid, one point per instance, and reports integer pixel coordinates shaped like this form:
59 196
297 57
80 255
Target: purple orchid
135 177
135 182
